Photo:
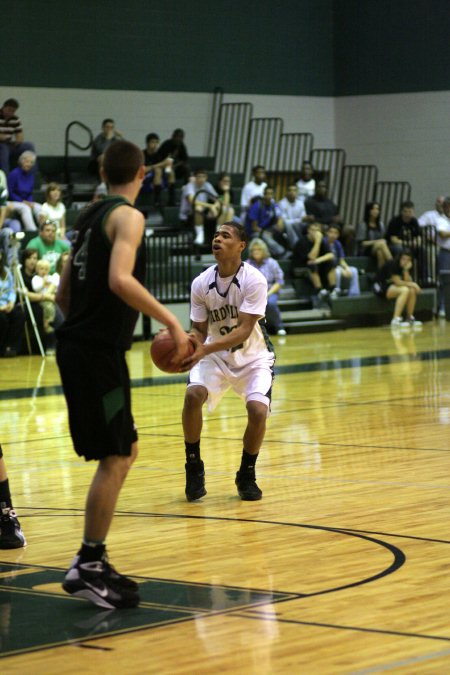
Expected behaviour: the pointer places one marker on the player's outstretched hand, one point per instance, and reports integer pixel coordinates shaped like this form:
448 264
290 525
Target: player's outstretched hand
198 354
181 340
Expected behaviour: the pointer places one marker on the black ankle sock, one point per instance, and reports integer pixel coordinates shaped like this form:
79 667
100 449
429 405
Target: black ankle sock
192 452
248 462
90 553
5 494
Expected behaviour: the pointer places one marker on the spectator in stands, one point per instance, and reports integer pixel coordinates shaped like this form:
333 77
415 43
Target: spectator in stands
12 319
402 229
30 257
306 184
259 257
8 224
293 213
159 174
264 221
252 190
176 149
223 189
313 252
108 135
43 283
199 205
20 188
443 248
322 210
370 235
47 245
431 218
394 282
345 275
11 134
53 209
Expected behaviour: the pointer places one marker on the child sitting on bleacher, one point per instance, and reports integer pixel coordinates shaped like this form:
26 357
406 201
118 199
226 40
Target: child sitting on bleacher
46 284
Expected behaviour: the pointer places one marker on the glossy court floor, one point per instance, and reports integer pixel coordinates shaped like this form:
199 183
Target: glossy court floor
343 567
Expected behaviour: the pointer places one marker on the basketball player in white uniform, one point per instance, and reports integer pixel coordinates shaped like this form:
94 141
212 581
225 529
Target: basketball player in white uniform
232 350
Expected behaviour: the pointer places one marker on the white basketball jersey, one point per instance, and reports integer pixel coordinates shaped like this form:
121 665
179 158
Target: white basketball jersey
219 301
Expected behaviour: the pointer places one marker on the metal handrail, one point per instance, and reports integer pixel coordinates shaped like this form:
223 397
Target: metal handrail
69 142
218 94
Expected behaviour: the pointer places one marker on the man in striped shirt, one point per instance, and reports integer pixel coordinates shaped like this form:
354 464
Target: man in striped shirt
11 134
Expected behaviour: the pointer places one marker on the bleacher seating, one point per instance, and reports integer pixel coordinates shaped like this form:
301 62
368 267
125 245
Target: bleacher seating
345 184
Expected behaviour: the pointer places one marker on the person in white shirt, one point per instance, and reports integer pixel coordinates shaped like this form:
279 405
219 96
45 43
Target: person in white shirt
306 184
233 350
252 189
293 213
431 217
199 201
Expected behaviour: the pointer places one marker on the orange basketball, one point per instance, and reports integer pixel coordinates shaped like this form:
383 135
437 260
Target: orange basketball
163 349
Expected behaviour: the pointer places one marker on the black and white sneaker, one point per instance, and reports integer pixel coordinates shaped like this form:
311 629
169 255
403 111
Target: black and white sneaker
119 579
247 487
195 481
11 536
100 583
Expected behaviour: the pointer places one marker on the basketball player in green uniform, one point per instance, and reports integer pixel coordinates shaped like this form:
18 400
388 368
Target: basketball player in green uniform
101 292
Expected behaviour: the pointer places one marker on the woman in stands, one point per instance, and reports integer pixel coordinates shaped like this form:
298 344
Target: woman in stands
11 316
53 209
29 260
370 235
20 188
259 257
394 282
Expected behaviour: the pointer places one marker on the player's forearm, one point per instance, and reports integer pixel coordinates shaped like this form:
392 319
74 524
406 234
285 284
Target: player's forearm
233 339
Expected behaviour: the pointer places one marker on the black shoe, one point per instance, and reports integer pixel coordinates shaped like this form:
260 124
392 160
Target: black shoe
11 536
195 481
247 487
119 579
100 583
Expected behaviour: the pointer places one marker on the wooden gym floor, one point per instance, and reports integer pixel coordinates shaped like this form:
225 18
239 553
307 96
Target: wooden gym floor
343 567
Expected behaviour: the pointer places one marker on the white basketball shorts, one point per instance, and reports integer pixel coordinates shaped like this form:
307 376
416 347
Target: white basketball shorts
252 382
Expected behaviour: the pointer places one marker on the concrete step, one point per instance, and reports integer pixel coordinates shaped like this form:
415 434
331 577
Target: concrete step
306 315
320 326
293 303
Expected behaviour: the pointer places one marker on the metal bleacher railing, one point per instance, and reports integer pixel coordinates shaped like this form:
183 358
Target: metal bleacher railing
390 195
169 264
329 163
231 137
357 186
423 248
293 150
262 143
69 142
218 94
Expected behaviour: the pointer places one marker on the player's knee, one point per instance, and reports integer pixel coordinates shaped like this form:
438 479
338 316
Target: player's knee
195 397
404 290
257 412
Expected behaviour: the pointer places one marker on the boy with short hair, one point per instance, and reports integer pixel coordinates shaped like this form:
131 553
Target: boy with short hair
101 292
